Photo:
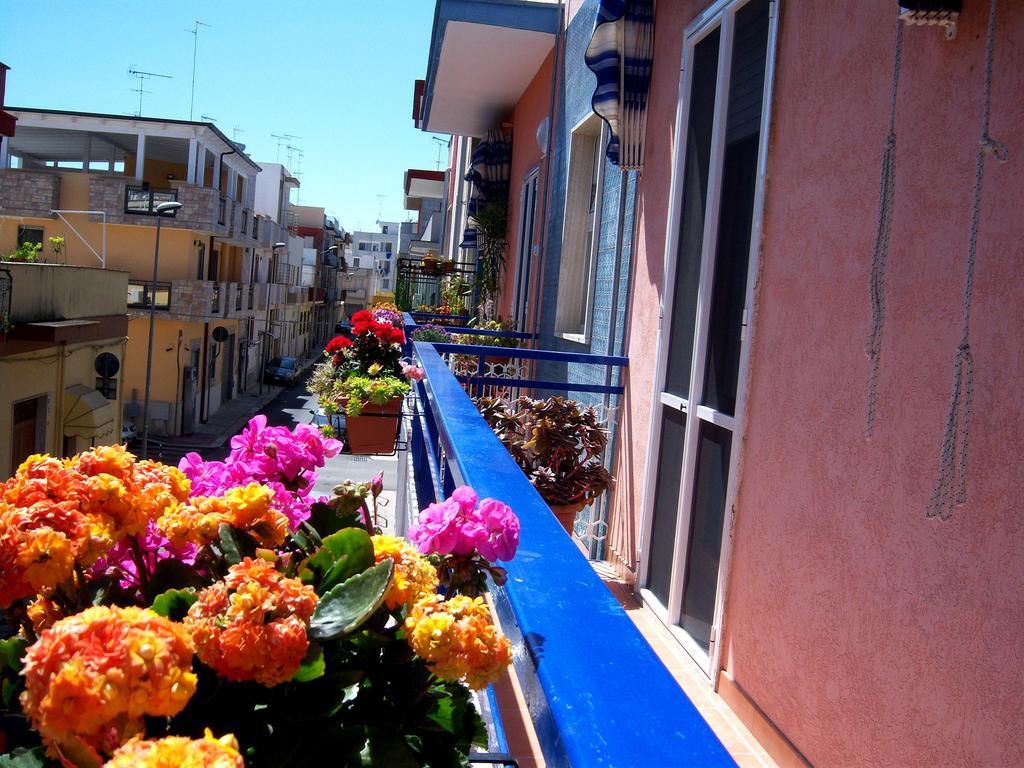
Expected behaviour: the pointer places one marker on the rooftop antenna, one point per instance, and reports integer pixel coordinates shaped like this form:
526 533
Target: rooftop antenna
440 143
380 202
237 130
207 119
283 138
143 76
195 50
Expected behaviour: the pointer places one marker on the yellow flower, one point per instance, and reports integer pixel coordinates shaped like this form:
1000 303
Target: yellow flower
414 576
458 640
179 752
246 509
46 558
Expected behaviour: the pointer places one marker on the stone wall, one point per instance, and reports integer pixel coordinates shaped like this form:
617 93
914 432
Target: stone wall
198 205
29 193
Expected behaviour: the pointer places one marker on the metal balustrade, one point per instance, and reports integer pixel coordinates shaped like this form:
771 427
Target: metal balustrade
598 694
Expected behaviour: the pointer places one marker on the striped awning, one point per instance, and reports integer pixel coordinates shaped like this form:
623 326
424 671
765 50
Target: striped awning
87 413
621 53
488 175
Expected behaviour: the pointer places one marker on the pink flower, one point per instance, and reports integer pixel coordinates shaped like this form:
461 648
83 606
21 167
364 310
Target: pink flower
458 526
412 372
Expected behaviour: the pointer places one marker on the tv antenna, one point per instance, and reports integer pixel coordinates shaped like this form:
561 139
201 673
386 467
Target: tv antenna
440 143
207 119
237 130
283 138
380 203
143 76
195 50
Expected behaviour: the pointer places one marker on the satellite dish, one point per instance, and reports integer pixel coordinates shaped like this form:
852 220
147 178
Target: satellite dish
220 334
107 365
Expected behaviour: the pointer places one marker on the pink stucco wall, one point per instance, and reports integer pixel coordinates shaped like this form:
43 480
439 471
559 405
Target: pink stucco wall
867 633
530 110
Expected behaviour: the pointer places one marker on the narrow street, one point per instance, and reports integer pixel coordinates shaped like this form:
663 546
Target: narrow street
294 405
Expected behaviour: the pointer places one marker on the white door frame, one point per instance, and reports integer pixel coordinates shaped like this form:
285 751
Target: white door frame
720 14
525 246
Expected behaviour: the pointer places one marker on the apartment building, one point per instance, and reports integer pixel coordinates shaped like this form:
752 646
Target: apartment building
94 181
63 336
839 561
378 252
323 249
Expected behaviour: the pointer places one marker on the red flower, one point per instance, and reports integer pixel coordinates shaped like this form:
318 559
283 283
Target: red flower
362 316
397 336
337 344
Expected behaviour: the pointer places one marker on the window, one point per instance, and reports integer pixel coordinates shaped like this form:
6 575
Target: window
31 235
387 247
376 247
711 251
364 246
107 387
580 231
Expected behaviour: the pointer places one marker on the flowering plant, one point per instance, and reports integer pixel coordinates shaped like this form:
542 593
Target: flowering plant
432 332
384 314
467 538
291 628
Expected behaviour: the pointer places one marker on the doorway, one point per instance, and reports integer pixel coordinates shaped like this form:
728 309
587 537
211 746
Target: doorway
525 250
28 430
711 255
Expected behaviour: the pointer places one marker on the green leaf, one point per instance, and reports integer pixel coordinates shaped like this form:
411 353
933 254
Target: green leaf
12 651
326 519
313 665
229 544
343 555
174 603
350 603
24 758
388 750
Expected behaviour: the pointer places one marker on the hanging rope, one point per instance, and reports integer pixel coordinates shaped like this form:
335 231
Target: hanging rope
951 484
886 193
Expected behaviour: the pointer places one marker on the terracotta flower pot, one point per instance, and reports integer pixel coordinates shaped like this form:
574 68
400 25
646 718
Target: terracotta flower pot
375 429
566 513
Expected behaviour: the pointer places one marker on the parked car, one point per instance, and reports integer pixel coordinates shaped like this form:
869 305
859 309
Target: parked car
281 370
344 328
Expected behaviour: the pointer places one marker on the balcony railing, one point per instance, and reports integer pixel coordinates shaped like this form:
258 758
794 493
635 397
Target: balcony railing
597 692
139 295
142 200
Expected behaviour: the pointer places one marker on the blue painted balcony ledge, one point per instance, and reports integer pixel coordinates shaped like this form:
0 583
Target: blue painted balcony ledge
598 694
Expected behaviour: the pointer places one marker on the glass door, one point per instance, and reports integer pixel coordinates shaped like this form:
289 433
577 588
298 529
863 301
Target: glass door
712 248
525 250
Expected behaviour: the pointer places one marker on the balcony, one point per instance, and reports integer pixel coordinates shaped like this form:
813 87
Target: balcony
142 294
125 201
191 298
29 193
597 693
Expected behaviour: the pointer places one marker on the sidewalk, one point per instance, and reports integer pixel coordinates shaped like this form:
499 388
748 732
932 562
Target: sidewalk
232 416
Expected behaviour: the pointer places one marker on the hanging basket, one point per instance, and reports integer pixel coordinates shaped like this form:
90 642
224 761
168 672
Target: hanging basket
375 430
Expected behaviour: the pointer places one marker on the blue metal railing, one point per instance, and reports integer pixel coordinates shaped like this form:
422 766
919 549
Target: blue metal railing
598 694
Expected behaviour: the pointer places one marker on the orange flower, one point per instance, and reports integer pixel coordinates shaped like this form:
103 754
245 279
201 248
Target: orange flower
457 639
253 624
247 509
179 752
414 576
91 678
39 545
43 613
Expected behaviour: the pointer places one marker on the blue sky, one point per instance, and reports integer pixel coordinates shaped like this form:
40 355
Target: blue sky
337 73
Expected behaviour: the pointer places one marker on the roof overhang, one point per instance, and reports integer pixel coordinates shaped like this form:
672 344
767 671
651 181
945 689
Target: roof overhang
483 55
422 185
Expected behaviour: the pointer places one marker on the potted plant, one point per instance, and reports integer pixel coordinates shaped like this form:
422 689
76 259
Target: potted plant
221 615
431 265
501 365
559 444
363 377
433 333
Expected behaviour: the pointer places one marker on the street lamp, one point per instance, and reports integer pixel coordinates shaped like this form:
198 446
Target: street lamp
160 210
266 322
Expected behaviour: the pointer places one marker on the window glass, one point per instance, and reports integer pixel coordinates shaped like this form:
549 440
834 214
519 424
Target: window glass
666 504
739 180
691 231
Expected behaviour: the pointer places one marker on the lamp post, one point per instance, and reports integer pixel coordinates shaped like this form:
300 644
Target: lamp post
163 208
316 289
266 322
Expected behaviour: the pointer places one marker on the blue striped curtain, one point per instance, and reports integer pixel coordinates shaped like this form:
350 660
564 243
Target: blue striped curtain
621 54
488 174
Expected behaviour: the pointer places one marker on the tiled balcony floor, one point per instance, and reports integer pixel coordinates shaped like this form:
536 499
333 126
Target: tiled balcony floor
731 731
